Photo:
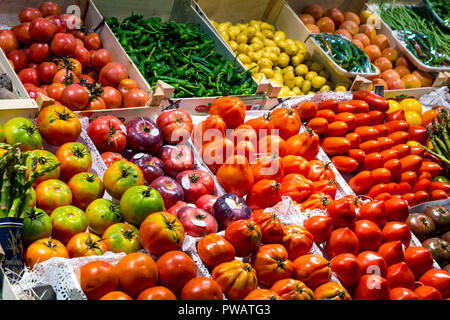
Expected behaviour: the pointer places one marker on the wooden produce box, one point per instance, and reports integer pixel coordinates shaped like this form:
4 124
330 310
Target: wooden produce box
183 12
441 78
10 10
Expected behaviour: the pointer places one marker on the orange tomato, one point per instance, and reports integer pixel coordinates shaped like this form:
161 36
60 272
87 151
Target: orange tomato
342 240
304 144
44 249
403 61
351 26
286 121
389 74
329 104
231 109
295 164
337 128
306 110
296 186
361 182
327 114
335 145
312 269
268 167
370 146
236 175
272 144
367 133
291 289
214 249
318 125
390 53
373 52
344 164
411 81
383 63
244 132
363 38
426 79
358 43
402 71
381 41
215 153
157 293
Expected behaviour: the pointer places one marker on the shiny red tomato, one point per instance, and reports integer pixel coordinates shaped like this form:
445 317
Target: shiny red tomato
393 252
372 263
342 240
399 275
395 230
347 269
320 227
369 235
98 278
399 293
108 133
419 260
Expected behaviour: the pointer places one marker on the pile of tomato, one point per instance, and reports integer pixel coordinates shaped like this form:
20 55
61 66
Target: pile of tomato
54 55
379 148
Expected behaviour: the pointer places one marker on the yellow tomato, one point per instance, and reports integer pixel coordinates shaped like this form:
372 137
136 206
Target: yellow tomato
340 88
393 106
413 118
410 104
412 143
317 82
325 88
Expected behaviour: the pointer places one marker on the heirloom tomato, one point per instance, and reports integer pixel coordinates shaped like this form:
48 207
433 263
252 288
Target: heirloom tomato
347 268
215 153
98 278
201 288
264 194
399 275
214 249
304 144
22 130
393 252
267 167
75 157
51 194
236 175
271 264
316 201
39 159
161 232
320 170
327 187
176 125
157 293
342 240
236 278
85 187
85 244
121 176
244 133
177 207
109 157
272 144
297 241
67 221
372 287
231 109
195 183
116 295
58 125
245 235
262 294
136 271
320 227
270 225
286 121
138 202
36 225
108 134
295 164
102 213
44 249
312 269
206 202
175 269
296 186
291 289
210 129
331 291
122 237
262 125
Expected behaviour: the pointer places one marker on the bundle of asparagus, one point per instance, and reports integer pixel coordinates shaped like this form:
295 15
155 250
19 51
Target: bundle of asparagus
15 190
439 135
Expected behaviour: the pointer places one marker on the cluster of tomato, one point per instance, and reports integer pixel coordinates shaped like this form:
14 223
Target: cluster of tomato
55 56
363 139
370 244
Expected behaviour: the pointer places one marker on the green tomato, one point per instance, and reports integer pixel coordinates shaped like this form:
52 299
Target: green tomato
120 176
36 225
23 131
140 201
101 214
441 179
122 237
85 187
67 221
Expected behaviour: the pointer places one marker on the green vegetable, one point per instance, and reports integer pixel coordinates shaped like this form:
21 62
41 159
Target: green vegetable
442 9
180 55
15 186
344 52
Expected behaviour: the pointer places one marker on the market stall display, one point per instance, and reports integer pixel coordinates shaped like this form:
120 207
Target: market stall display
317 198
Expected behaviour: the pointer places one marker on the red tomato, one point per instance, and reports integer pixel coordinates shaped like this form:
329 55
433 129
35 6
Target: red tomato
432 167
399 137
330 104
97 278
395 230
402 149
392 188
402 294
244 235
404 187
348 118
345 107
28 14
428 293
335 145
112 97
376 190
389 155
320 227
374 211
397 125
438 195
372 263
342 213
399 275
381 175
372 287
370 146
373 161
157 293
342 240
201 288
419 260
392 252
307 110
385 143
107 133
354 138
369 235
360 106
382 129
439 279
92 41
347 269
367 133
312 269
376 117
318 124
421 196
362 182
362 119
271 264
397 210
394 167
344 164
175 269
357 154
135 98
408 177
327 114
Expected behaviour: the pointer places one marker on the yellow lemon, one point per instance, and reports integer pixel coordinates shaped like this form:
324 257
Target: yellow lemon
301 70
310 75
256 46
279 35
393 106
278 70
288 76
267 33
243 48
290 83
258 77
241 38
288 69
283 60
225 35
268 72
260 36
297 59
317 82
244 58
410 104
233 45
299 81
291 49
306 86
284 91
413 118
269 42
297 91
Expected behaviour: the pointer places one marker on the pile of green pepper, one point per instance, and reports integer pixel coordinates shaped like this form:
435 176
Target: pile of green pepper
180 55
344 52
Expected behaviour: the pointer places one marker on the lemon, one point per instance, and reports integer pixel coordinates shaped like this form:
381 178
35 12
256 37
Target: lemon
413 118
299 81
268 72
290 83
225 35
260 36
269 43
258 77
301 70
317 82
310 75
288 69
255 55
223 26
300 45
291 49
288 76
410 104
241 38
297 59
267 26
283 60
244 58
281 44
284 91
278 77
256 46
274 49
233 45
325 88
267 33
306 86
340 88
251 32
257 40
265 63
233 32
243 48
254 66
278 70
274 59
393 106
279 35
297 91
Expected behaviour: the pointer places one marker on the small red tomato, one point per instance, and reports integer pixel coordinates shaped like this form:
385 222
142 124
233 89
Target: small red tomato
372 263
428 293
422 185
421 196
404 187
408 177
397 210
372 287
410 198
419 260
374 211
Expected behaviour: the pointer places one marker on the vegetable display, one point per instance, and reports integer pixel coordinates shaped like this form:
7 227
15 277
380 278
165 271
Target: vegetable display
180 55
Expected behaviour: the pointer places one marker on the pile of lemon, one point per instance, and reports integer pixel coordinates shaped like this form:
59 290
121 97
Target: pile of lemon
282 61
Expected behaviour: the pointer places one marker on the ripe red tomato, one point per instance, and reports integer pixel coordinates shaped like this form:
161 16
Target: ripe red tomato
28 14
369 235
135 98
399 275
286 121
85 244
98 278
308 109
49 8
372 287
297 241
19 59
42 29
291 289
419 260
136 271
244 235
372 263
201 288
44 249
62 44
157 293
362 182
402 294
176 126
75 157
75 97
29 75
22 33
175 269
342 240
214 249
396 230
396 209
347 269
439 279
312 269
107 133
271 264
112 73
320 227
270 225
116 295
342 213
428 293
393 252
